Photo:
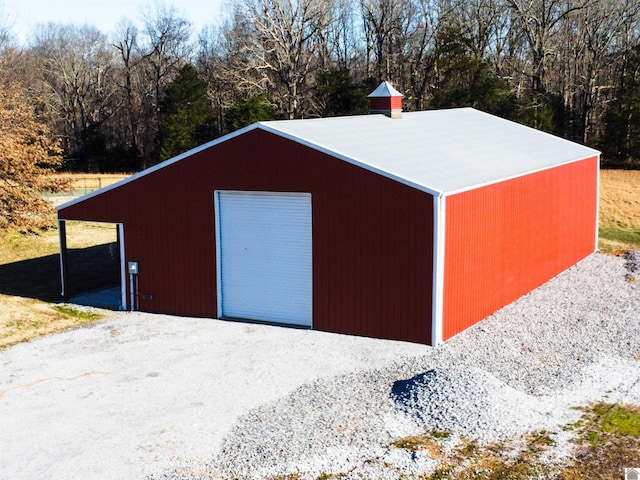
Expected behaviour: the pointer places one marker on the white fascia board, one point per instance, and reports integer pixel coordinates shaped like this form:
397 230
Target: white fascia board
123 269
62 232
159 166
523 174
437 302
595 249
348 159
216 207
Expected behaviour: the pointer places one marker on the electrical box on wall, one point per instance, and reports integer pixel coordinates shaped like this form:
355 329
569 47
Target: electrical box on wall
133 268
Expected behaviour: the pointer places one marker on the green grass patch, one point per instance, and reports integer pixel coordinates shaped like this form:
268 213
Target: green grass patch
411 443
501 460
440 474
618 419
620 234
440 434
71 312
607 440
429 441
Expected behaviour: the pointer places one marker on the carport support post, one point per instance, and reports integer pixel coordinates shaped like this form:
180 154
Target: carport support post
62 232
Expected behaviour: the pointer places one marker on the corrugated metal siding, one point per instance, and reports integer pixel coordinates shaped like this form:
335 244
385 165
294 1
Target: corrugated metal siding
506 239
385 103
372 236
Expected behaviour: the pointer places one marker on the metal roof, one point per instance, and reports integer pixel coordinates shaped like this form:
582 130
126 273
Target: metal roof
440 151
385 89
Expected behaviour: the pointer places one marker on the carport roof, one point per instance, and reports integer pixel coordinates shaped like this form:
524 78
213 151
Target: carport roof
441 151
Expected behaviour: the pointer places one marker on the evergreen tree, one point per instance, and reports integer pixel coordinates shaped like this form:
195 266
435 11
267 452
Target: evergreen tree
256 108
185 114
337 95
462 80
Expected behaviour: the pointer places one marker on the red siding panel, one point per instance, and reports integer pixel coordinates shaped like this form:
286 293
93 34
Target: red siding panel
372 236
505 239
385 103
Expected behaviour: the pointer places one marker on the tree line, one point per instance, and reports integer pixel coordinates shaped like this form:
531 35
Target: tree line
144 93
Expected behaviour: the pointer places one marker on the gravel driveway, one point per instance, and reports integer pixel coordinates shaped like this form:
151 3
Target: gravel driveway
154 396
137 393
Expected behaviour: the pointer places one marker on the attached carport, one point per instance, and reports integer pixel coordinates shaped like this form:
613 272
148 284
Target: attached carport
93 275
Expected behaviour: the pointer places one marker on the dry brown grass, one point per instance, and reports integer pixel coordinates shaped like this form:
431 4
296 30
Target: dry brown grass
23 319
80 182
619 210
429 442
29 280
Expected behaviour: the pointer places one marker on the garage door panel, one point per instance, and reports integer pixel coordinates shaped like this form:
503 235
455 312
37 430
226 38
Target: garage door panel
265 256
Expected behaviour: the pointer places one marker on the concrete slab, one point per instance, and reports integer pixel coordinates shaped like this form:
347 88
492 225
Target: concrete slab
108 297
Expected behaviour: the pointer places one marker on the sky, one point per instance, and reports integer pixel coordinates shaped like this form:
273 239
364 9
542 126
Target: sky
22 16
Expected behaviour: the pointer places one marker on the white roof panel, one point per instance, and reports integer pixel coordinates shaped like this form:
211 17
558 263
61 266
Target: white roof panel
437 150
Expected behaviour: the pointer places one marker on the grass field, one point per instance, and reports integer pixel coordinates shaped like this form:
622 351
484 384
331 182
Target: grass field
619 210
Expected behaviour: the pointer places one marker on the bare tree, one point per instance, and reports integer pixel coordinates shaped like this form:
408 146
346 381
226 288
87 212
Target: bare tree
5 30
539 21
75 65
342 49
166 44
285 50
165 48
388 24
131 83
586 55
419 56
216 67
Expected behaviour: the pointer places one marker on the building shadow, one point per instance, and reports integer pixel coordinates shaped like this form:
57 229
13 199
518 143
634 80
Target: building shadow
39 278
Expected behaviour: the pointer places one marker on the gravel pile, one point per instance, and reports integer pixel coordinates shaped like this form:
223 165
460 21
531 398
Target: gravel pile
574 340
467 401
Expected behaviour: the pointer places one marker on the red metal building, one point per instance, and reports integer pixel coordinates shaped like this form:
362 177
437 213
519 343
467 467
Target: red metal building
410 228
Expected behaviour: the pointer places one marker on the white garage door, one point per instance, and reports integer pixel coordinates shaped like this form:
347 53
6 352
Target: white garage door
264 256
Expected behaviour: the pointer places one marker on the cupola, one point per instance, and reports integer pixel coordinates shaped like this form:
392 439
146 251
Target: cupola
386 100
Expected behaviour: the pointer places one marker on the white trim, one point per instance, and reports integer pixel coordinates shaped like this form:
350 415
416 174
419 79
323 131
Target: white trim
216 208
157 167
123 268
348 159
597 204
523 174
60 242
439 218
